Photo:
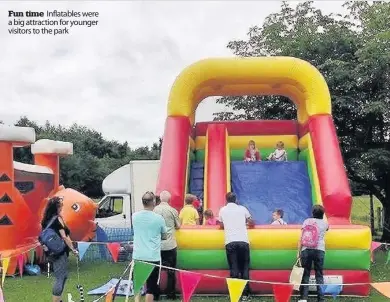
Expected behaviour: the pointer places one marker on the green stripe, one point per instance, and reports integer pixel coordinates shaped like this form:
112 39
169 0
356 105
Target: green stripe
238 154
304 156
272 259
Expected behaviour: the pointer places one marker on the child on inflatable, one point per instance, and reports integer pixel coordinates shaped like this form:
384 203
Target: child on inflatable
252 153
210 219
277 217
279 154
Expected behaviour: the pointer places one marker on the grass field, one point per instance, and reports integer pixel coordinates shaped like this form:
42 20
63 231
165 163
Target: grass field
92 275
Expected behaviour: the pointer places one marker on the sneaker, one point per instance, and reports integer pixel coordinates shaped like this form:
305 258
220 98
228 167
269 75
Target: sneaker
246 298
172 297
302 300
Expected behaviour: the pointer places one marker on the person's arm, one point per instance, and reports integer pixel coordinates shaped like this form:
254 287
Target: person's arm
181 217
177 220
197 220
299 248
164 232
65 237
220 220
248 218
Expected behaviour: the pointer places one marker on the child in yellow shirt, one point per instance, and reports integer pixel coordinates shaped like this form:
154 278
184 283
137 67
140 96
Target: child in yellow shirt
188 214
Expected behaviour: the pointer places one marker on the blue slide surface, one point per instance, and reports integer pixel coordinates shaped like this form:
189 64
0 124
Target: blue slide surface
264 186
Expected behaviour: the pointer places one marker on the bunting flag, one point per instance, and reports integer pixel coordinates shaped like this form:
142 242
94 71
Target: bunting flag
332 289
235 286
282 292
4 265
374 246
383 288
114 248
141 273
1 295
110 295
189 281
20 261
82 248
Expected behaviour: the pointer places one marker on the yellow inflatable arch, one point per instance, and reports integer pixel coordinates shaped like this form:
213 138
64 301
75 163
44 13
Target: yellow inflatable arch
286 76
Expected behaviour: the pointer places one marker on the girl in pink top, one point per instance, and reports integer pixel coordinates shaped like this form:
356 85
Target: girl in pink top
210 219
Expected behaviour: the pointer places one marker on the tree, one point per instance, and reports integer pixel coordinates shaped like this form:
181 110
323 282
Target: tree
93 159
353 54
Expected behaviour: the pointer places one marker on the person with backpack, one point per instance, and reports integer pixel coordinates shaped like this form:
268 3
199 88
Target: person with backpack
311 250
56 244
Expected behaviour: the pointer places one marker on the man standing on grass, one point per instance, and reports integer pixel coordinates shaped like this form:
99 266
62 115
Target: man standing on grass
169 246
149 229
234 219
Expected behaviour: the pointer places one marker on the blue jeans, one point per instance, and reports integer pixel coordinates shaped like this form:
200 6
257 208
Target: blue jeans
308 258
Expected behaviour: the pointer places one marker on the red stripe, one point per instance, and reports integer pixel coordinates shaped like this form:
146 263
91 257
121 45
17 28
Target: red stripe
335 192
216 167
208 285
173 163
241 128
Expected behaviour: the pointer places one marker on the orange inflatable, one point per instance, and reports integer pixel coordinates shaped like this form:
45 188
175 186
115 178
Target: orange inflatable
25 189
79 214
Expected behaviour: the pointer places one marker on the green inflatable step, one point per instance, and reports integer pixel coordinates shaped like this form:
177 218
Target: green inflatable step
238 154
272 259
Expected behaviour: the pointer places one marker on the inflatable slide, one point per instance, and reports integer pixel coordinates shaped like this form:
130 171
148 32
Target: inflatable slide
207 159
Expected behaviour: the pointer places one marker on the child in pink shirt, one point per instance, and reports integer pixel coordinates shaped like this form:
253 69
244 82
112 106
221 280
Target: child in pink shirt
210 219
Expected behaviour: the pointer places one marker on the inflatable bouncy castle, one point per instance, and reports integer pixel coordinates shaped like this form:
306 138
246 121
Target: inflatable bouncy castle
207 159
24 190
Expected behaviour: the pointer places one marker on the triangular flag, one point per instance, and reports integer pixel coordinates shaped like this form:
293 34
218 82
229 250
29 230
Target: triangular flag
82 248
4 265
141 273
20 260
32 256
188 282
383 288
332 289
114 248
235 286
110 295
1 295
282 292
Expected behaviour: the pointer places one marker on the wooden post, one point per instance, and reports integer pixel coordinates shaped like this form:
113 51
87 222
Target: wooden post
379 218
372 216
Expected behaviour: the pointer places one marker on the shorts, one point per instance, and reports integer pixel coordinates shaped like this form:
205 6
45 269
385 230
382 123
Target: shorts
152 287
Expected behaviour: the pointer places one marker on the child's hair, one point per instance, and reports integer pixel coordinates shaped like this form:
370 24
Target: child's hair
280 212
208 213
318 211
252 142
189 199
280 144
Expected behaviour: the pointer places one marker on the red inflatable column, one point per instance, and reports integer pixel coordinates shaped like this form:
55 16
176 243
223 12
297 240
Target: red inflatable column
216 167
173 162
335 191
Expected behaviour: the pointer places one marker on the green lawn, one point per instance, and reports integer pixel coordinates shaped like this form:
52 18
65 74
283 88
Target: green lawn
92 275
